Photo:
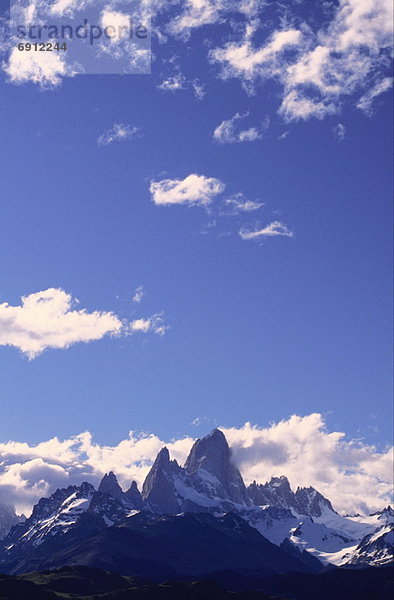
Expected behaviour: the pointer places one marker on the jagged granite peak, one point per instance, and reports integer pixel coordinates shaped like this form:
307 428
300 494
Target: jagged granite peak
133 496
309 501
276 492
387 514
109 485
56 514
158 491
212 455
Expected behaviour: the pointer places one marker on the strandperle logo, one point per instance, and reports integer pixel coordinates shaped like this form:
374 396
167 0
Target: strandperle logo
90 37
93 33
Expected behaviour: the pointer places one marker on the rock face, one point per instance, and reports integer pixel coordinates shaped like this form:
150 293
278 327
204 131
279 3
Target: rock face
109 485
212 456
80 508
208 481
159 547
277 492
133 496
8 518
158 491
309 501
376 548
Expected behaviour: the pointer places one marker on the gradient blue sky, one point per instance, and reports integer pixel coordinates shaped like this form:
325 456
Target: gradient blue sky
257 330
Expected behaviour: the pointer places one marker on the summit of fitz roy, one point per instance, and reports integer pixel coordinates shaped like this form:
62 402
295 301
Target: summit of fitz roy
174 526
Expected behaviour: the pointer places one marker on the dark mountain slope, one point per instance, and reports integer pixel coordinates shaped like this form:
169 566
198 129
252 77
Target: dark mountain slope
163 547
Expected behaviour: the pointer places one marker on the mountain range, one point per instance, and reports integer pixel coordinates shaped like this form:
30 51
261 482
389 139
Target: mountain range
193 520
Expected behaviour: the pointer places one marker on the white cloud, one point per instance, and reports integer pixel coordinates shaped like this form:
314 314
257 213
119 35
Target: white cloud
317 70
138 294
339 132
49 319
193 190
173 83
116 24
119 132
230 131
200 13
154 323
316 67
366 101
67 7
43 68
243 60
177 82
196 13
198 89
295 106
239 203
273 229
352 474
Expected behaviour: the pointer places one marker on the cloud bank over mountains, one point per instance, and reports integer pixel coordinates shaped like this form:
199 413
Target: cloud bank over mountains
355 476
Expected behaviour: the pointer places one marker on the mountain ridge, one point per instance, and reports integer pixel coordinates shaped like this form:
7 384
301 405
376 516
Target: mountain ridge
302 523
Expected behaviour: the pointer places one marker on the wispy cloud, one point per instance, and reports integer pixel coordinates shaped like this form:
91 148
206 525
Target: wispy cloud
366 101
339 132
239 203
176 81
272 230
138 294
50 319
120 132
230 131
173 83
195 189
354 475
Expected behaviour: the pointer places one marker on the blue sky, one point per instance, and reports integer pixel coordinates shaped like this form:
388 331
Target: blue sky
258 329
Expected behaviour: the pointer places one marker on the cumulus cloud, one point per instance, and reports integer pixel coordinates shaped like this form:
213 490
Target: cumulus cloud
241 59
50 319
230 131
273 229
193 190
318 66
353 475
46 69
317 69
118 133
117 24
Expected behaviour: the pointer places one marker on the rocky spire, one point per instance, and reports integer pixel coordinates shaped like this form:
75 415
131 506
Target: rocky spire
213 455
309 501
158 491
133 496
276 492
109 485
